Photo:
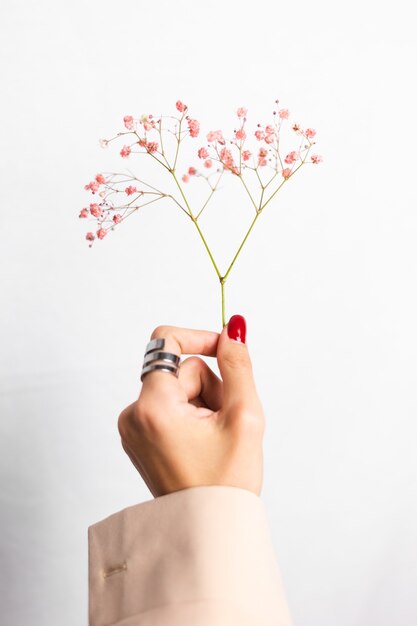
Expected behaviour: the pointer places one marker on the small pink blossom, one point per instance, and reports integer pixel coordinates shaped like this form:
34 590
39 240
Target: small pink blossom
90 236
208 163
83 213
286 172
216 135
125 151
128 122
151 146
262 154
297 128
246 155
101 233
284 114
269 130
259 134
130 190
117 218
95 210
241 112
240 134
185 178
104 143
310 133
100 179
269 139
316 159
193 127
181 107
226 158
192 171
203 153
147 122
291 158
93 186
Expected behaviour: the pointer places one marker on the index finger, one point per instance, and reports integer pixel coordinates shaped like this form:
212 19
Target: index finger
180 341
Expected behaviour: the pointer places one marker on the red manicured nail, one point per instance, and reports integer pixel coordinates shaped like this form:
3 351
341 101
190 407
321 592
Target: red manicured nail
236 328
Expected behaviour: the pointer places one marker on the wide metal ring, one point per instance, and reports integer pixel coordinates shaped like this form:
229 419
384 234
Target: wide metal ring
155 344
166 357
171 369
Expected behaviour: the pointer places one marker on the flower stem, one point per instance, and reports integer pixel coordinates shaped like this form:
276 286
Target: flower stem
222 283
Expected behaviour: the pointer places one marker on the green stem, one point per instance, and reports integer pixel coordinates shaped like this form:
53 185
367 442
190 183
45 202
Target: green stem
242 244
222 282
193 218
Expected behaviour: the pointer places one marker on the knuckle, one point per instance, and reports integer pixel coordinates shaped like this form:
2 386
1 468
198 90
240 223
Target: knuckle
195 363
250 420
161 331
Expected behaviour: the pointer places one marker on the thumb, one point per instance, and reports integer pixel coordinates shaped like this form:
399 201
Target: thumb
235 365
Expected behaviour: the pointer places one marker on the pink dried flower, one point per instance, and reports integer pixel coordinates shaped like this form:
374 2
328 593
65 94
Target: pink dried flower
259 134
181 106
147 122
208 163
130 190
310 133
316 159
291 158
100 179
117 218
185 178
193 127
203 153
125 151
240 134
296 128
90 236
226 158
101 233
83 213
128 122
262 154
95 210
216 135
269 130
286 173
93 186
241 112
246 155
151 146
284 114
192 171
269 139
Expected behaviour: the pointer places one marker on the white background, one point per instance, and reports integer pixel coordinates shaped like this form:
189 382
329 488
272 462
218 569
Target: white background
327 283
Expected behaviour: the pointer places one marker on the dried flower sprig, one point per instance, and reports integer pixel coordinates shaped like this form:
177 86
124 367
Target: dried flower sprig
267 168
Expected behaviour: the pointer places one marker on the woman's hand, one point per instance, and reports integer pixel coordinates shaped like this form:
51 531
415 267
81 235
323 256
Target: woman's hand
197 429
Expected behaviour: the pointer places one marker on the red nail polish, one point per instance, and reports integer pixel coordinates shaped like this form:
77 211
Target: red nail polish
236 328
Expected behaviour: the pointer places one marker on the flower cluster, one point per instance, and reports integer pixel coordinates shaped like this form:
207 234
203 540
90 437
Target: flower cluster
253 156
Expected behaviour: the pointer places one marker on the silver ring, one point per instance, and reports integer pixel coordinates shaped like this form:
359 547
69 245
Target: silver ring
167 357
154 353
155 344
171 369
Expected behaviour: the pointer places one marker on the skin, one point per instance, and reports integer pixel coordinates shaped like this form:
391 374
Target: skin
197 429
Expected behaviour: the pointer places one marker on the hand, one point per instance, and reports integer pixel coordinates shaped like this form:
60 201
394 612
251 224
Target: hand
197 429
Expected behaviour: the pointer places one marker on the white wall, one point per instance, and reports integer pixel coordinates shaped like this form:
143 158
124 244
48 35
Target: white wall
327 283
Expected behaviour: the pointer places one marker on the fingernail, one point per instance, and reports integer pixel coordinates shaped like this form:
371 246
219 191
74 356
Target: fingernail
236 328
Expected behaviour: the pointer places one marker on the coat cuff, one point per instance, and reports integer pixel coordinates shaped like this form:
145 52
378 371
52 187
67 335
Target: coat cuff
200 556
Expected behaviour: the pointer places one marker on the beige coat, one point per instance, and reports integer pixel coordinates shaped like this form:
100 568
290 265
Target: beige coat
201 556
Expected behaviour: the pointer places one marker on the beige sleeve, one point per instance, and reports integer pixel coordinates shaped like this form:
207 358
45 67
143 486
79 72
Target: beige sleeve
201 556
